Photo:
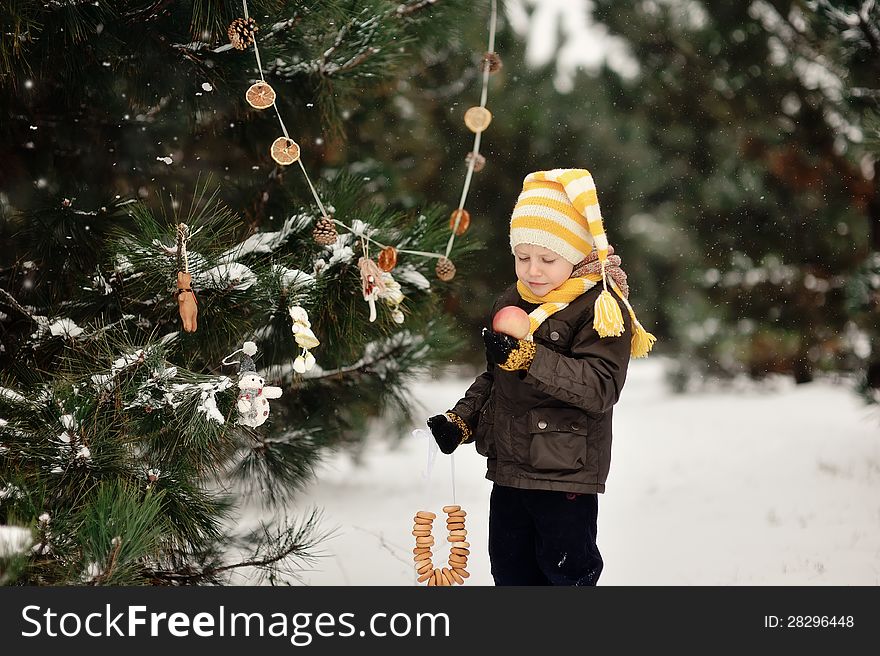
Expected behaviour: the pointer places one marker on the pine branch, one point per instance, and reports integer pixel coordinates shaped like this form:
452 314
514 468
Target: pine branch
150 12
409 8
55 5
290 542
870 31
112 562
15 304
354 62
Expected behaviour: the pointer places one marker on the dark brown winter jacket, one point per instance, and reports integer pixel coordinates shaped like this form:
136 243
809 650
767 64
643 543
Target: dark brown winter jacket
550 428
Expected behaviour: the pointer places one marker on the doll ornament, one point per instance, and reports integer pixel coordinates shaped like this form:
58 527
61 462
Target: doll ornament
186 302
186 297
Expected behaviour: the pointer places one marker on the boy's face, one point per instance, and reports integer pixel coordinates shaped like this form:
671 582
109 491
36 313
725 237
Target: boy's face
540 269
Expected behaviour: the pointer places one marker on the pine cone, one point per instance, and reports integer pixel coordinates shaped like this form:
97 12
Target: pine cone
241 32
445 269
492 61
325 232
479 161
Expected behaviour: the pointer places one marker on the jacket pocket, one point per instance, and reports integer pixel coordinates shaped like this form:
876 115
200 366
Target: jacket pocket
484 439
558 439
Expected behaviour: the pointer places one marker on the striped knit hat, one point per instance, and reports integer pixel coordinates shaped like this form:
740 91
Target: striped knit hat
559 210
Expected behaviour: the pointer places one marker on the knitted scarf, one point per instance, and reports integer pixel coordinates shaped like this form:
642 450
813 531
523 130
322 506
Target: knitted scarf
608 321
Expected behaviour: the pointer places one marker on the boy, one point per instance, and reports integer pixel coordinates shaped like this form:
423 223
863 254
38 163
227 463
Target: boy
541 413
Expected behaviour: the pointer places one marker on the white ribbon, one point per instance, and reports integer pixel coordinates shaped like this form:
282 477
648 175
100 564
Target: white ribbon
432 451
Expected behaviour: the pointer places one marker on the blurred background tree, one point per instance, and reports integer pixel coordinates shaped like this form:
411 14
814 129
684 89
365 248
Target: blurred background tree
765 117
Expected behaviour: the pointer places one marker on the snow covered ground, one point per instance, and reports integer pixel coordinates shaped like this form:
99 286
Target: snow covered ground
771 484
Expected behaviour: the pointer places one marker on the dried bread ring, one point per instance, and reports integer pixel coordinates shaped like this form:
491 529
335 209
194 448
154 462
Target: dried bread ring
458 552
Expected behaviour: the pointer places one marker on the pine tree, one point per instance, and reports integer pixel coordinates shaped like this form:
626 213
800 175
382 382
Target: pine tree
131 155
764 119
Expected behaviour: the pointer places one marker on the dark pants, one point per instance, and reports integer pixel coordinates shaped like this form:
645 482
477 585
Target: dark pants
539 537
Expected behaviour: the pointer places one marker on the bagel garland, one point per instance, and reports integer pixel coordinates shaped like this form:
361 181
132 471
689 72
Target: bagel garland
459 548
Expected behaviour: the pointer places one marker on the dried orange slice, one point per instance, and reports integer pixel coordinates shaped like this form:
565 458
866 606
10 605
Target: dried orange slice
388 258
477 119
260 95
464 220
285 151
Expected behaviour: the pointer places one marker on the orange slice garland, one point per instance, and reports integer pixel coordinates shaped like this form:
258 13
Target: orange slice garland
285 151
464 220
260 95
388 258
477 119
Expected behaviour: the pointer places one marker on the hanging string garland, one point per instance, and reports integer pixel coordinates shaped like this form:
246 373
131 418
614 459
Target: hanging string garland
285 151
477 119
459 549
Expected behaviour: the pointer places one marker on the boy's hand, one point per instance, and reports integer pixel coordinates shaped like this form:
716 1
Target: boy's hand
449 431
508 353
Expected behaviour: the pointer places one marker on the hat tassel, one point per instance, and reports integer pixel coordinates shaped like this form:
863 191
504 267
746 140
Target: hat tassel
607 317
642 341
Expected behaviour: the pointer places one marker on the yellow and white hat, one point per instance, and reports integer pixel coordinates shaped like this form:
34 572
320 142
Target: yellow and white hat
559 210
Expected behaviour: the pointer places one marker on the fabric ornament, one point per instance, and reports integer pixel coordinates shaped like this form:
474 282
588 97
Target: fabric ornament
372 283
392 296
305 339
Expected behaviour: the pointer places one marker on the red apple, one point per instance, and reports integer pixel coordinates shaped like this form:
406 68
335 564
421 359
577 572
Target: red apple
512 321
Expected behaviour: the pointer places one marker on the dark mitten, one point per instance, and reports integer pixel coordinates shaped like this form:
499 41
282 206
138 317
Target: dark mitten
449 431
507 352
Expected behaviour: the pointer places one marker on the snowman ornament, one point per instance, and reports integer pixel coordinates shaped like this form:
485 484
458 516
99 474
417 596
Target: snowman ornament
254 394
